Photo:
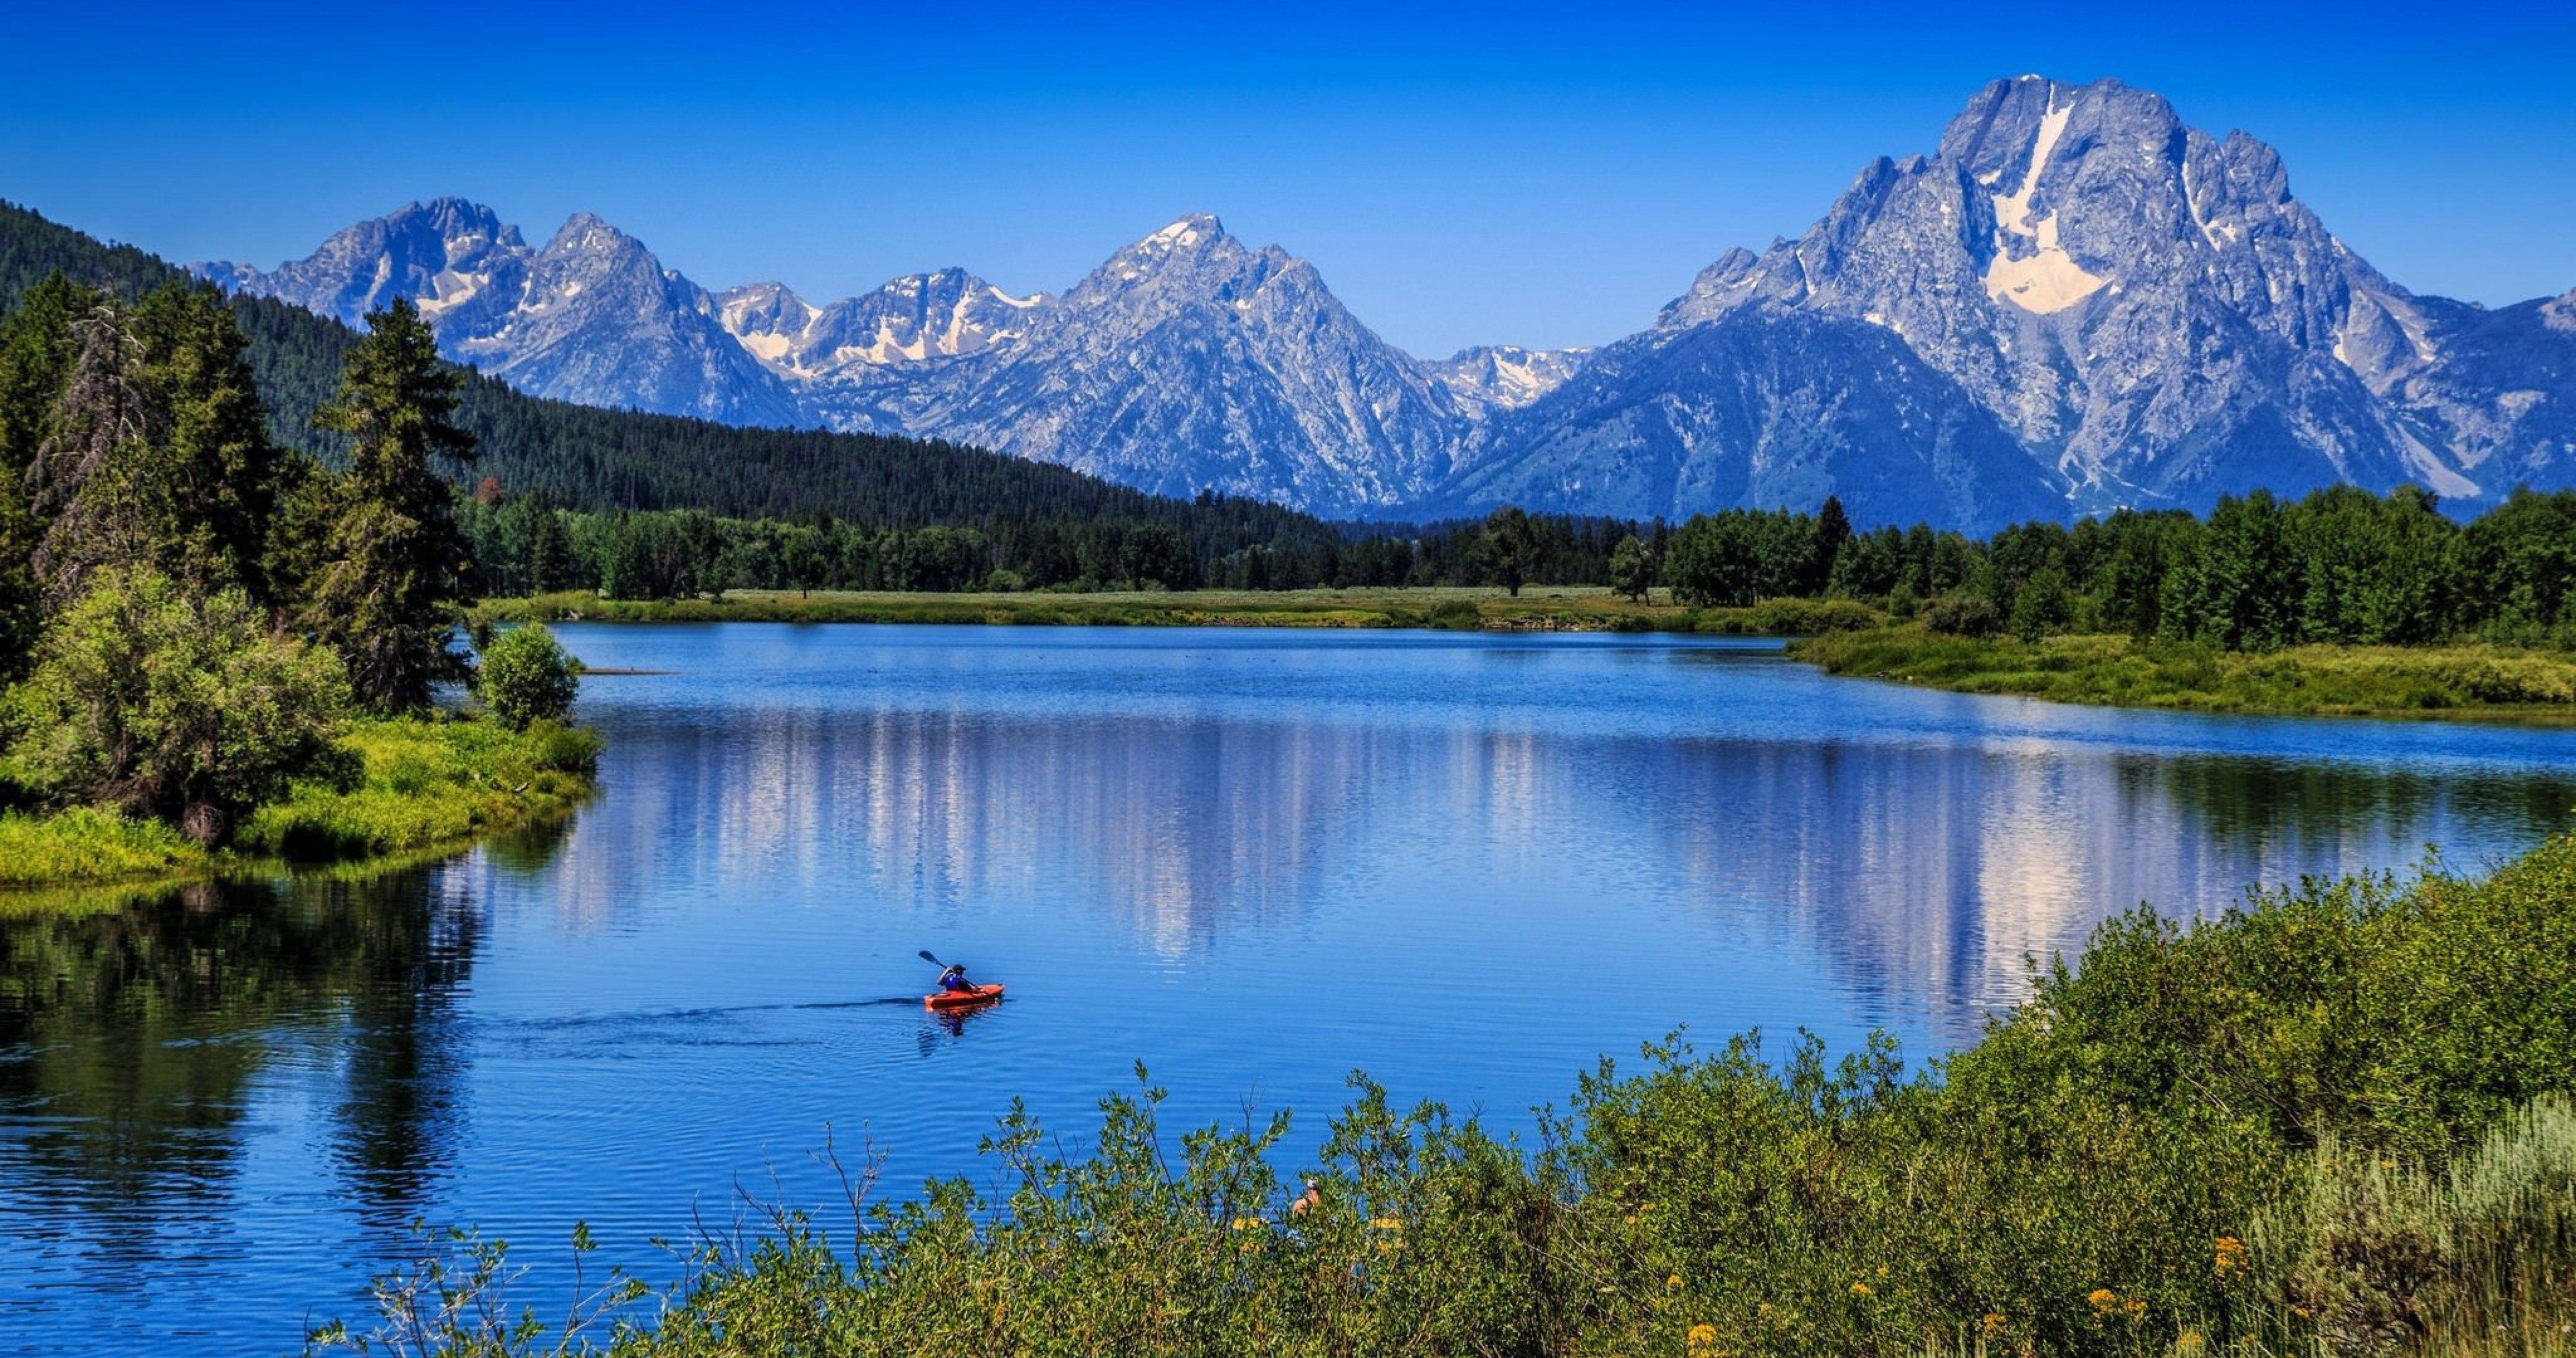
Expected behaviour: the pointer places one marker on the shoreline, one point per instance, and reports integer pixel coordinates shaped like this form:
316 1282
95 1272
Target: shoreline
423 786
1540 608
2475 682
2469 682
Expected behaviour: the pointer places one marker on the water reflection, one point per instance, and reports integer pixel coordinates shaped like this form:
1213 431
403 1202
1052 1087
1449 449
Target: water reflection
140 1046
1925 872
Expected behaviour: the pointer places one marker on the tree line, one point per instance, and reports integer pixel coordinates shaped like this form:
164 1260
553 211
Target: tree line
2339 565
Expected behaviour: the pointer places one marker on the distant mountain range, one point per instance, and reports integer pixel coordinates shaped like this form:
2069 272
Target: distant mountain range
2076 303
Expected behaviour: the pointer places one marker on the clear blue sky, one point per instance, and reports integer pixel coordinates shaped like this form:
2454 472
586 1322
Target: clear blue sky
1496 173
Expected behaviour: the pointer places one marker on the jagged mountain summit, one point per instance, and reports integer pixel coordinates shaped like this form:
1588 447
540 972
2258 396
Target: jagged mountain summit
2076 302
1490 377
591 316
2145 310
1189 360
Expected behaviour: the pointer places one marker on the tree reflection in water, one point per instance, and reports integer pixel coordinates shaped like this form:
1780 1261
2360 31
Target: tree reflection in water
133 1040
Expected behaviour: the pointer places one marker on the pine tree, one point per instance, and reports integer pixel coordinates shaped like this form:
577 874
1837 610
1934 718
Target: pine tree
388 599
211 451
91 485
35 354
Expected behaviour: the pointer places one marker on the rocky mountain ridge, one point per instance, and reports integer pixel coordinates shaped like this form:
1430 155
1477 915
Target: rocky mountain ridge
2075 302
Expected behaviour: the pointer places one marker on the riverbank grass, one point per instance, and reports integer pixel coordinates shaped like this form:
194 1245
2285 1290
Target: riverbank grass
85 844
2480 681
428 782
407 784
1550 608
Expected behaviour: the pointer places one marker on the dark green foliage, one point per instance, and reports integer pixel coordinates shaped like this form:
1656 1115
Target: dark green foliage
526 677
2042 606
1961 615
148 698
1511 548
1632 568
143 443
396 576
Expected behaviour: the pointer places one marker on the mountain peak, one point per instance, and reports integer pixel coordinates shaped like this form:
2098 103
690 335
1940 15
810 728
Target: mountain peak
1187 231
589 232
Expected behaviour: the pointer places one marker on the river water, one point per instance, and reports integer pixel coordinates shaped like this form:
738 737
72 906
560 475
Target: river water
1254 861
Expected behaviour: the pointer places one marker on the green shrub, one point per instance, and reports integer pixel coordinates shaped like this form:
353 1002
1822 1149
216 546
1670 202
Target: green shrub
527 677
1962 615
1814 617
191 711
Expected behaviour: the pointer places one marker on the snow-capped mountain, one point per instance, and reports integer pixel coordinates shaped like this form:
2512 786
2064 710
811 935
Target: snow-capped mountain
2146 310
1491 377
1189 360
919 316
2075 302
591 316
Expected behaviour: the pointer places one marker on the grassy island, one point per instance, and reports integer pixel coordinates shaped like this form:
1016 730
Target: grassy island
2468 680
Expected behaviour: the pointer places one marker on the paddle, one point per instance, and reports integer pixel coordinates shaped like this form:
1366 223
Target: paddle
924 954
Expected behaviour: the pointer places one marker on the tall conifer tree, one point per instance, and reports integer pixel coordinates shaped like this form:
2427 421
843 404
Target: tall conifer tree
389 596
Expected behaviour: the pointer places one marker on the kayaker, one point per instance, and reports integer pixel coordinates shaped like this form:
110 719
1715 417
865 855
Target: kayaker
1307 1201
954 980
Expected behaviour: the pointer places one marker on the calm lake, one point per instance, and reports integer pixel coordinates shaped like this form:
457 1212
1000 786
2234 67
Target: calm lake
1254 861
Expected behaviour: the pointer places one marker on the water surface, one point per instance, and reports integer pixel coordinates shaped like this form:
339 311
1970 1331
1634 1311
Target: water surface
1254 861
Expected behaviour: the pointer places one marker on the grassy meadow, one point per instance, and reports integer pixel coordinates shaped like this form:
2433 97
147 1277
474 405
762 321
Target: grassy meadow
2472 680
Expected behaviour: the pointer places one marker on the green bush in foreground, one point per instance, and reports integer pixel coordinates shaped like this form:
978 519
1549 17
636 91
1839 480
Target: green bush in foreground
527 677
2329 1121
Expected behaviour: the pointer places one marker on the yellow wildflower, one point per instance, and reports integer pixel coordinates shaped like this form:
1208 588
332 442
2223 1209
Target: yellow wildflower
2103 1301
1701 1336
1674 1282
2190 1344
1994 1323
2230 1257
1860 1289
2134 1307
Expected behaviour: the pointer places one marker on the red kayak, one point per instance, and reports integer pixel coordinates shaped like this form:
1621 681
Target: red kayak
962 999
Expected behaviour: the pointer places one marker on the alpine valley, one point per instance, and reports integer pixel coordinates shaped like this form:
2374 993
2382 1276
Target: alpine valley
2075 303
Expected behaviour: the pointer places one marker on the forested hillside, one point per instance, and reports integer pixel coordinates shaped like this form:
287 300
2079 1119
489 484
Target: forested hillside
579 457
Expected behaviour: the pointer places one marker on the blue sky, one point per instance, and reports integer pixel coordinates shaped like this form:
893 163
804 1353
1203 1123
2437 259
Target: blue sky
1498 173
